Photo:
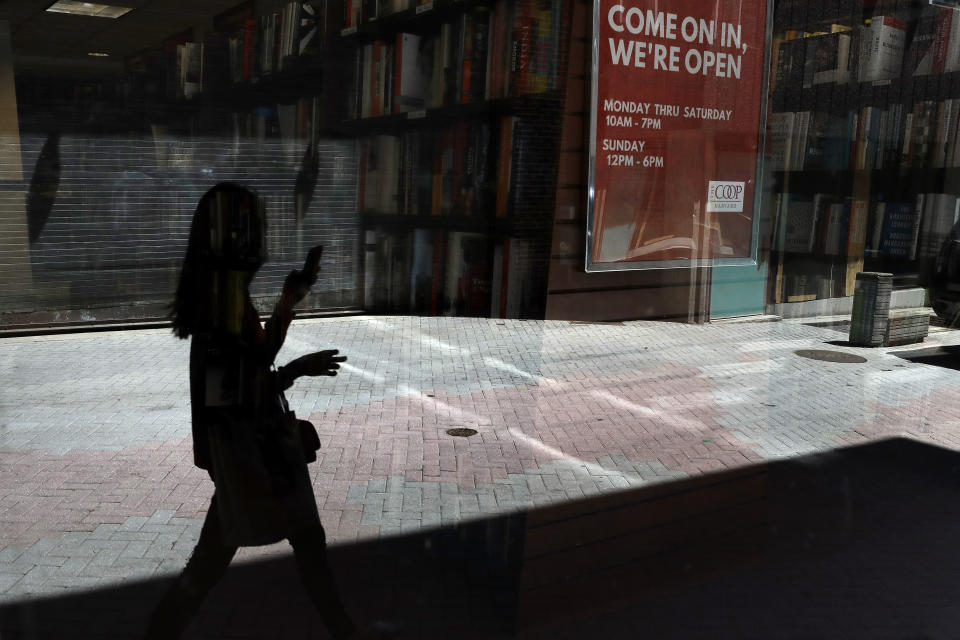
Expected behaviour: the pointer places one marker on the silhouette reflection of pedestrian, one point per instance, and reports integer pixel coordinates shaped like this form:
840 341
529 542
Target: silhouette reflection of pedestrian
43 187
242 433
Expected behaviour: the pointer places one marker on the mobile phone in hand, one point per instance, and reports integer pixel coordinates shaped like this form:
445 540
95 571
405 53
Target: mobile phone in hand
312 264
303 279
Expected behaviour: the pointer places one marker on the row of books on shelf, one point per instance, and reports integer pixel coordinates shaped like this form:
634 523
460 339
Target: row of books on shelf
885 47
186 80
466 169
299 120
268 43
445 273
289 133
921 135
357 12
803 286
241 48
427 172
484 54
828 225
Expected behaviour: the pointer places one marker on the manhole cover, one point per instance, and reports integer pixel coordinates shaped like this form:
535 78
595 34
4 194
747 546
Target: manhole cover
462 432
830 356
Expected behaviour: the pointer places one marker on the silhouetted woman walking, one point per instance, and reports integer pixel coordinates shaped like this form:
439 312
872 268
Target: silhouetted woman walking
243 434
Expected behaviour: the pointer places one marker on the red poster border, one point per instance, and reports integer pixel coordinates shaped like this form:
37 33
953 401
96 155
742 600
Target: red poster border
759 187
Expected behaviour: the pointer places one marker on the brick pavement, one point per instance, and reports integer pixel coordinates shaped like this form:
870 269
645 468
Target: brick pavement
97 483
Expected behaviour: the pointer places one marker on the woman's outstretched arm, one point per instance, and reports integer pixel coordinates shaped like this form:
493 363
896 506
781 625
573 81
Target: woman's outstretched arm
321 363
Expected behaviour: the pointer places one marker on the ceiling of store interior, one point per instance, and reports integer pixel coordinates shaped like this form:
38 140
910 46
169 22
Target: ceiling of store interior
41 37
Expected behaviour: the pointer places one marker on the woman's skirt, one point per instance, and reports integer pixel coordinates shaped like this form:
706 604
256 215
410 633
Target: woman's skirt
264 493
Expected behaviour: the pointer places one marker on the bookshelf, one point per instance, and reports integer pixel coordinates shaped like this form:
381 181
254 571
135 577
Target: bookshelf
261 112
423 18
434 117
456 107
252 55
842 97
454 111
862 142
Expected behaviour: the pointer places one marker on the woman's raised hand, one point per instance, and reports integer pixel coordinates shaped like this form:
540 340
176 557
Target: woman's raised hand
311 266
298 282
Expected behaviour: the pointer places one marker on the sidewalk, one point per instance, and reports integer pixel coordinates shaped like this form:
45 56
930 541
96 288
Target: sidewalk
97 483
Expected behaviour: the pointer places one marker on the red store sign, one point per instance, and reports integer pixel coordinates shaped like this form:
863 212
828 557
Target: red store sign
678 91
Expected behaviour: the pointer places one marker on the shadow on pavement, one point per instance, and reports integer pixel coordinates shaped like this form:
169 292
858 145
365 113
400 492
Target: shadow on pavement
843 326
840 343
854 543
943 356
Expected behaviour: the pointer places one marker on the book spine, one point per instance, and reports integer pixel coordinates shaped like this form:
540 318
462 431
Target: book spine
858 229
504 166
436 186
355 100
873 137
951 60
893 35
479 54
407 170
459 173
388 69
802 134
275 41
953 158
376 80
471 170
951 110
492 41
282 39
446 170
892 159
366 91
944 126
465 58
907 139
540 55
558 12
498 36
398 63
881 141
506 51
521 45
853 126
450 38
863 131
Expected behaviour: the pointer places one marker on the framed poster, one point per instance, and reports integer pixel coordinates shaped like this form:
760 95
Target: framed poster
678 99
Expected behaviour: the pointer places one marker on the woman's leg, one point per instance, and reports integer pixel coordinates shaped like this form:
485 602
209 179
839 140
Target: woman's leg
310 551
205 567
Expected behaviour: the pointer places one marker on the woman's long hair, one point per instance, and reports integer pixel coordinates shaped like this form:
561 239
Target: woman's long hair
227 235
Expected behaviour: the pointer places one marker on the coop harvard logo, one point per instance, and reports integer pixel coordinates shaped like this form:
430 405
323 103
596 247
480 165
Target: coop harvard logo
725 196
